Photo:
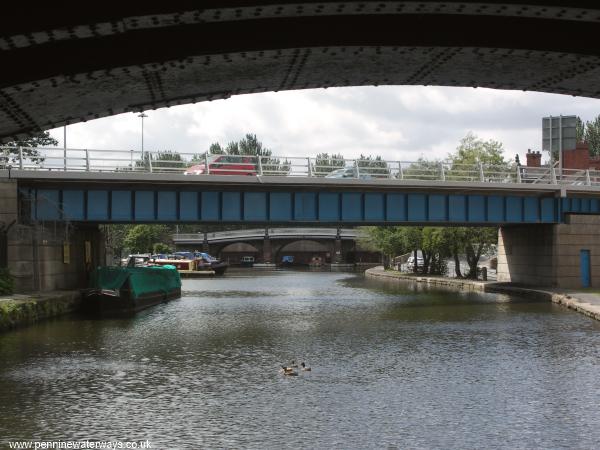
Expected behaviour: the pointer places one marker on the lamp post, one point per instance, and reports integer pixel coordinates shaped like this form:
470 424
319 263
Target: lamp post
142 115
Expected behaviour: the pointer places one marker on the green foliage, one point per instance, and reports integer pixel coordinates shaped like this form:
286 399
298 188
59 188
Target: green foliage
216 149
580 130
167 159
7 282
249 145
422 169
141 238
325 164
372 165
160 247
29 147
592 136
473 150
439 243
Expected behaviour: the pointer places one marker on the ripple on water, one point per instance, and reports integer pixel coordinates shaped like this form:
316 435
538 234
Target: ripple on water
392 367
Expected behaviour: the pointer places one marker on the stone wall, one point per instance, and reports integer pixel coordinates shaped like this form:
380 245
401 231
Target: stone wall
549 255
45 257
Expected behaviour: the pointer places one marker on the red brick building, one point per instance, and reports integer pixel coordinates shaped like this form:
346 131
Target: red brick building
577 158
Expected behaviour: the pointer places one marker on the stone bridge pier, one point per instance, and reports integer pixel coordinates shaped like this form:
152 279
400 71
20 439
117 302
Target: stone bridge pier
560 256
46 256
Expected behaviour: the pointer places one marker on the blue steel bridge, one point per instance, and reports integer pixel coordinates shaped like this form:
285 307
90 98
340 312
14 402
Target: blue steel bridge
111 187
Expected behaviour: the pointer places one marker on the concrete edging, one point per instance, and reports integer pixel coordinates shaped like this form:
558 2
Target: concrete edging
560 298
20 310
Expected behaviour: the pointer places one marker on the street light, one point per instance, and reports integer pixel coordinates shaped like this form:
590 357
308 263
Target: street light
142 115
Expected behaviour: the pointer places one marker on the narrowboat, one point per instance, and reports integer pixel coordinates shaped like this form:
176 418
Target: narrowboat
191 261
115 290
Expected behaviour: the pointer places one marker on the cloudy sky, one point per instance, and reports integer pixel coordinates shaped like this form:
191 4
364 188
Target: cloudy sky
398 123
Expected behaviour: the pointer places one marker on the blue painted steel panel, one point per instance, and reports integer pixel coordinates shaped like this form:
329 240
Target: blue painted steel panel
210 206
329 206
280 206
255 206
457 208
548 210
305 206
417 207
188 206
48 204
565 204
166 205
352 209
594 205
231 206
495 209
585 205
575 205
477 208
396 207
120 205
73 205
531 212
97 205
375 207
585 268
514 209
438 208
144 205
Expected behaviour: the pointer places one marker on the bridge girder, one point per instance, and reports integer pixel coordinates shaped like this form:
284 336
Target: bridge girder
68 66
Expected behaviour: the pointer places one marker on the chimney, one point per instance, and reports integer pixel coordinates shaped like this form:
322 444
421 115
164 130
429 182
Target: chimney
534 159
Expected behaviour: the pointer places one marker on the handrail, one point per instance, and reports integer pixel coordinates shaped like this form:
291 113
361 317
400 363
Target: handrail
191 163
273 233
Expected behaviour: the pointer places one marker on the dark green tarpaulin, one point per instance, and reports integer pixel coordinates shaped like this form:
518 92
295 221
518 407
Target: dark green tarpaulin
142 280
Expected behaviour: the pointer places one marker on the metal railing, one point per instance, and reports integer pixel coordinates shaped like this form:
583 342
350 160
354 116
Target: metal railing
135 161
260 233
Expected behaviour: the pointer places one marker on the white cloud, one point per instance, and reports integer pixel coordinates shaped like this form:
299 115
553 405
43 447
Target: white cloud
396 122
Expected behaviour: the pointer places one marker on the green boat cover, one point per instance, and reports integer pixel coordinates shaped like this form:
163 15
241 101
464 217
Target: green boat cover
143 280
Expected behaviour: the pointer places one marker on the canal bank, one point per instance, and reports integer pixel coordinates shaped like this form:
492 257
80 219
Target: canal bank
587 303
25 309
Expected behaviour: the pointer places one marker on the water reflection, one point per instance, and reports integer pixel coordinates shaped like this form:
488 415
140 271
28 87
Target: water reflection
402 367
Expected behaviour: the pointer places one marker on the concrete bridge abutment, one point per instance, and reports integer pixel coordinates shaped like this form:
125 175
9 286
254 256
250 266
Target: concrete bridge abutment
550 255
46 256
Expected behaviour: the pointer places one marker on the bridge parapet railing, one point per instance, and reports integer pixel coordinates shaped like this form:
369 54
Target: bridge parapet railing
189 163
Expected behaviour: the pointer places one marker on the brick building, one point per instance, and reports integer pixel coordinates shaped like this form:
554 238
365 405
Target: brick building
577 158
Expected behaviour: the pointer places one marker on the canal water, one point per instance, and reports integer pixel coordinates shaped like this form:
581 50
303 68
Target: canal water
392 367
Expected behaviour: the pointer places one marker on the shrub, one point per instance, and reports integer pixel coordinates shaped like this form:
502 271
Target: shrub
7 283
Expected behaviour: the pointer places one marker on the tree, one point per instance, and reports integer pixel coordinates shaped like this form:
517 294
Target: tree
141 238
388 240
115 237
160 247
477 242
166 160
580 130
592 136
216 149
474 155
372 165
325 164
422 169
29 147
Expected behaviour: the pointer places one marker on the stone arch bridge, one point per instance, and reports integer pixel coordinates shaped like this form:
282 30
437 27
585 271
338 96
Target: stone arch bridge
268 245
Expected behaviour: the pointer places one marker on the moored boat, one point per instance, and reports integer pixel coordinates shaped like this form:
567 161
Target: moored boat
116 290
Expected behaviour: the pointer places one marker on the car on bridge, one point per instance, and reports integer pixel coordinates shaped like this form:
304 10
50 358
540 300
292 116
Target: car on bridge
348 172
225 165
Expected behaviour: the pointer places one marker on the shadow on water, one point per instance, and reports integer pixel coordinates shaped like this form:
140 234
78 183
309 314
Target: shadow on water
393 366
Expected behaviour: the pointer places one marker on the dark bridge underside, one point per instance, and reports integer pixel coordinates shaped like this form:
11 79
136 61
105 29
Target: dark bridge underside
66 66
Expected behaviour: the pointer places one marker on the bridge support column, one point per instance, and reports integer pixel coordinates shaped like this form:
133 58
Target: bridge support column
267 253
337 257
550 255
